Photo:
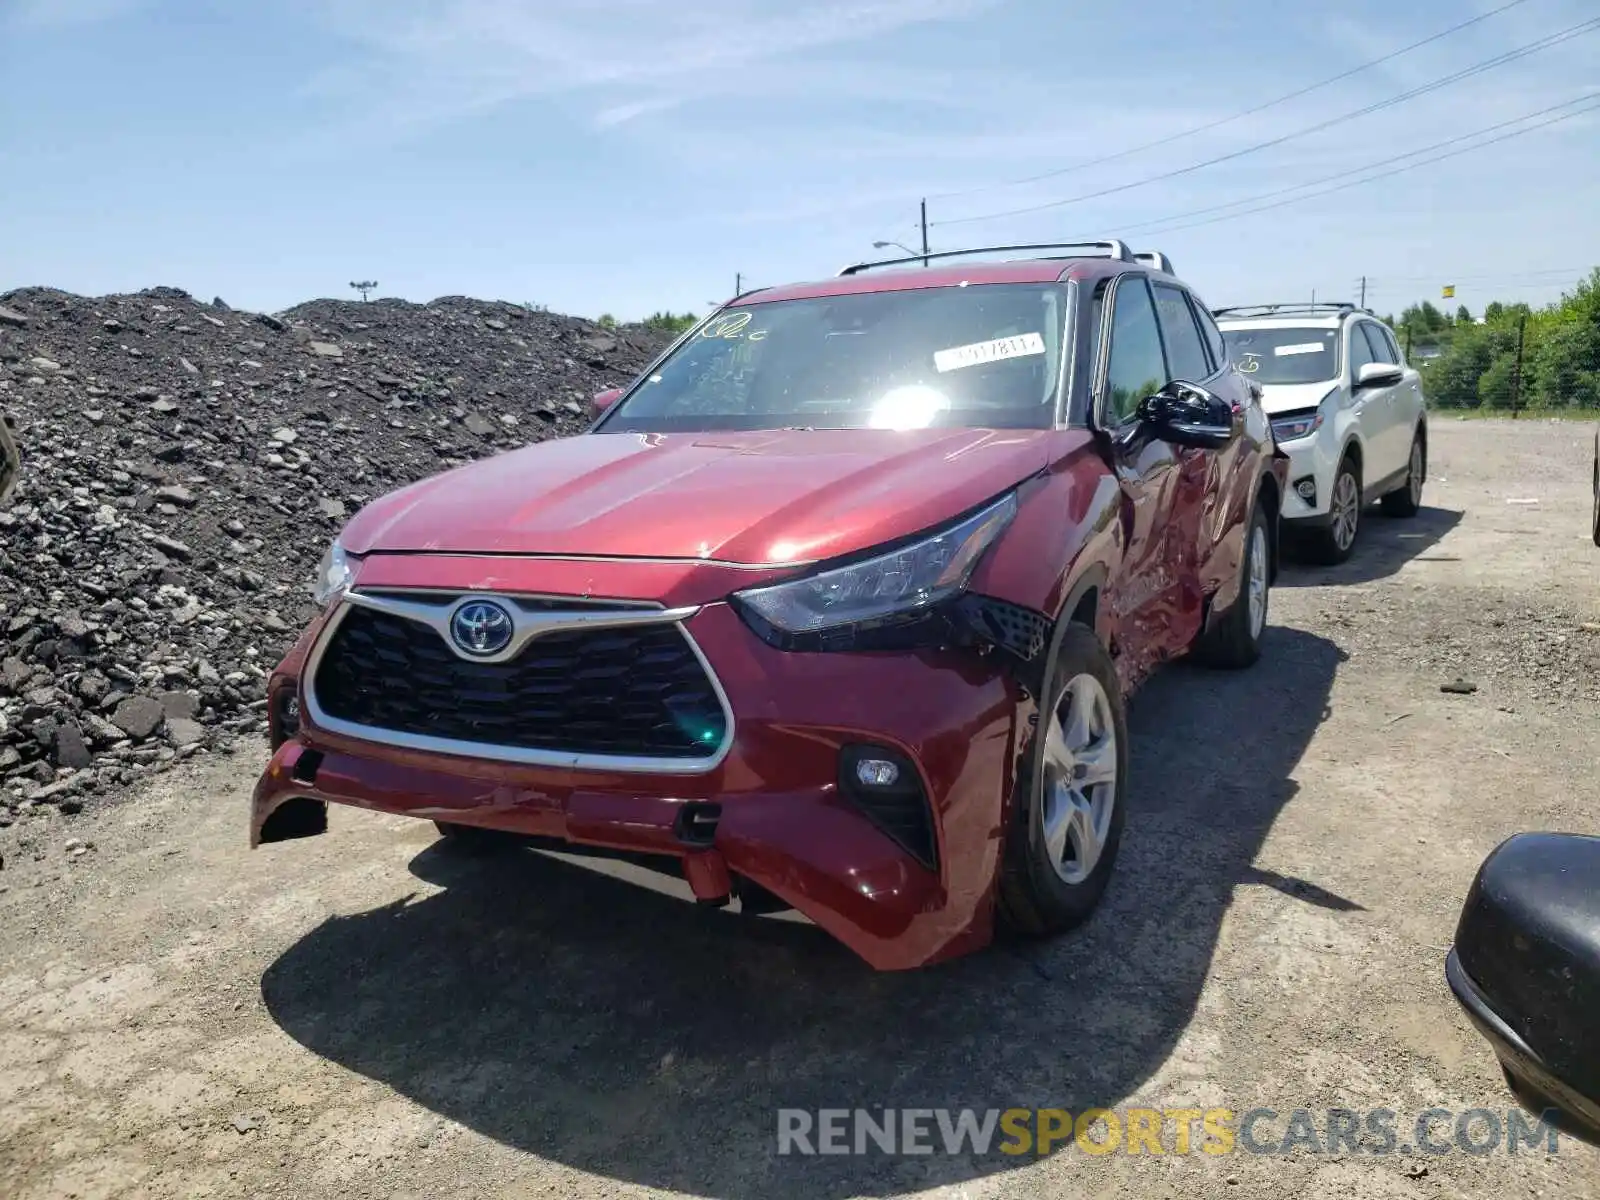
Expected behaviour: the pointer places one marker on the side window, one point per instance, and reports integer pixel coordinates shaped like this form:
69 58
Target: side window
1213 335
1389 344
1380 348
1186 354
1360 349
1136 369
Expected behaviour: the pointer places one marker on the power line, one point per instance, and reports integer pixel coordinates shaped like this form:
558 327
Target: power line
1475 278
1385 174
1434 85
1345 174
1249 112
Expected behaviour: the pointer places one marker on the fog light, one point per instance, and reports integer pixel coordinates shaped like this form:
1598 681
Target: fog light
877 772
1307 488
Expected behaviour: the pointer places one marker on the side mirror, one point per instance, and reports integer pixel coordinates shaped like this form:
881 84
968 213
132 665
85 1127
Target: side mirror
1375 375
604 400
1526 968
1186 414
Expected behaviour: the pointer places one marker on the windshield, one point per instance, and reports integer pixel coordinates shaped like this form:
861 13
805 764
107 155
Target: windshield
1303 354
986 355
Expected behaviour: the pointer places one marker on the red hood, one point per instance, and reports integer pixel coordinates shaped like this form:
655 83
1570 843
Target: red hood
769 497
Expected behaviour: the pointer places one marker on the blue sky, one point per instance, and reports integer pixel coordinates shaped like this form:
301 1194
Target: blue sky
627 155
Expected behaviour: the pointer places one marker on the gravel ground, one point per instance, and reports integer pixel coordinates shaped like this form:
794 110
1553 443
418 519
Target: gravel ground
367 1015
184 466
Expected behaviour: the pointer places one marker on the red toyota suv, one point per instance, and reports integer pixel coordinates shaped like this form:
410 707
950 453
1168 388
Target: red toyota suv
837 605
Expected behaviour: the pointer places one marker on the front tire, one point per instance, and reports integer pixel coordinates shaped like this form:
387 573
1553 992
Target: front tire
1406 500
1333 543
1235 641
1068 810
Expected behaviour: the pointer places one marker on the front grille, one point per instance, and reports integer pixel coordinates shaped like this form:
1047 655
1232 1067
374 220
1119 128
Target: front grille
638 691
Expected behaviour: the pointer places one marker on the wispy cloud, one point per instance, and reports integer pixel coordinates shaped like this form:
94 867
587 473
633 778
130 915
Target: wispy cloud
44 14
443 59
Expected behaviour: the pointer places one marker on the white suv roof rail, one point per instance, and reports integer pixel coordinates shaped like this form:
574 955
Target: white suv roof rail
1156 259
1292 308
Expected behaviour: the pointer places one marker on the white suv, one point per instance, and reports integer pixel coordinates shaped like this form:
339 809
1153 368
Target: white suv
1345 408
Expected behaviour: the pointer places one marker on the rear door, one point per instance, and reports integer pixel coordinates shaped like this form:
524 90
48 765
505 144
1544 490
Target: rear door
1213 512
1153 617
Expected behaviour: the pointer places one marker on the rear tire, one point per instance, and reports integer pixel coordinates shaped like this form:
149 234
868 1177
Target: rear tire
1333 543
1234 642
1406 500
1067 813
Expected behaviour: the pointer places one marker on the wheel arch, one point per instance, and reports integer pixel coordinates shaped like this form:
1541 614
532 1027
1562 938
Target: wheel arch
1355 450
1270 497
1084 604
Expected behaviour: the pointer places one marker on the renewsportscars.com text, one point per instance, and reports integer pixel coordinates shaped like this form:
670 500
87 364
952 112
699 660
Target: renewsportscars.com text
1175 1131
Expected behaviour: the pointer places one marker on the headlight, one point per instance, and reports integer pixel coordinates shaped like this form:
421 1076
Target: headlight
1287 429
334 574
903 582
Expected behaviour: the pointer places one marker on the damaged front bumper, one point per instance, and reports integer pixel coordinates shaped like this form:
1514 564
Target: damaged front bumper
901 873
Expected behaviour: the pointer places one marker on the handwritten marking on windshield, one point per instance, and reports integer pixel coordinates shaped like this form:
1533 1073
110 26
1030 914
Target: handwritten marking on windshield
729 326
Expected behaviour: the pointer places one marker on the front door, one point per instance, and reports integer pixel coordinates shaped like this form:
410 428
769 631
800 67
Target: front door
1153 616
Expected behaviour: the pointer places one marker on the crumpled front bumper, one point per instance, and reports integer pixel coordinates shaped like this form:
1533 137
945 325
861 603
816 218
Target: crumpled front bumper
773 811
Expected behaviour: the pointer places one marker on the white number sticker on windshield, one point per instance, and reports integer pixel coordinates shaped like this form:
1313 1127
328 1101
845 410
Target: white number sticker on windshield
977 353
1298 348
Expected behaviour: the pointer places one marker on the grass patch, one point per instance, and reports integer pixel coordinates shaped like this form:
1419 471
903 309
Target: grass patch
1526 414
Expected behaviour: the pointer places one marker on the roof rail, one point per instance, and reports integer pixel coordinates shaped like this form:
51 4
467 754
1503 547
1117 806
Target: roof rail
1156 259
1292 308
1108 249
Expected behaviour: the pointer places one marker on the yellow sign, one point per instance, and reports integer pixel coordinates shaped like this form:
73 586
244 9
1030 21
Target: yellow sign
1449 291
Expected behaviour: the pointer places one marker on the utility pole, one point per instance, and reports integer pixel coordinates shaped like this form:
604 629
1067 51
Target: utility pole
1516 369
1313 297
365 286
1363 291
738 283
924 233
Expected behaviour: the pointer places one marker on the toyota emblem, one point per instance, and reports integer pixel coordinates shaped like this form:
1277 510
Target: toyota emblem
481 628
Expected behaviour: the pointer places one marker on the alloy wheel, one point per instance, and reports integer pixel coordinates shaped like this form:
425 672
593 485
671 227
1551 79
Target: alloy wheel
1258 582
1414 480
1080 778
1346 510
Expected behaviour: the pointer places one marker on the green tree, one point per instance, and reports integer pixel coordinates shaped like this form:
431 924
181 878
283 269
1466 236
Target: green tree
669 322
607 321
1463 315
1494 385
1477 363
